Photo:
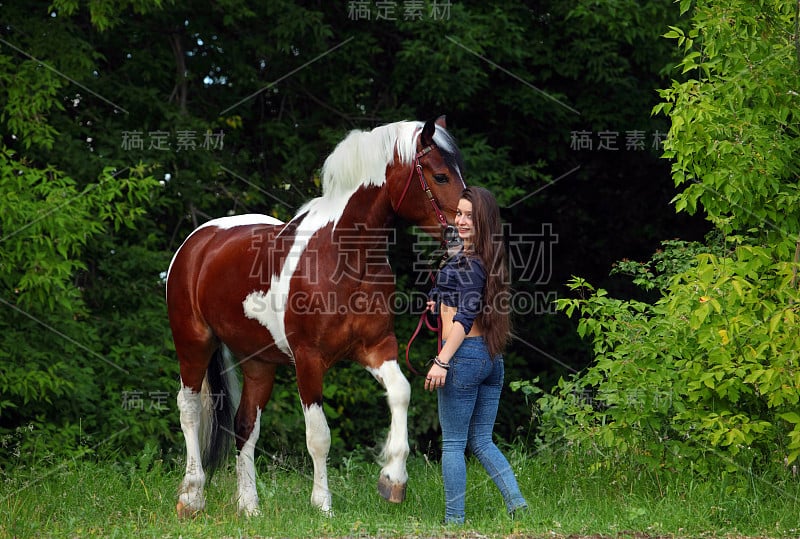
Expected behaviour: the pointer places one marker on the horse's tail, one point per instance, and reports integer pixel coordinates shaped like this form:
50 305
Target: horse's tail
220 395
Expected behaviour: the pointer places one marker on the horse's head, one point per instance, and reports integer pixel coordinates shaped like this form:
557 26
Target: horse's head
426 191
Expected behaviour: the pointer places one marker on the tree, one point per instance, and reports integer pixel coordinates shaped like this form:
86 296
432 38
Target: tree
149 118
51 350
709 369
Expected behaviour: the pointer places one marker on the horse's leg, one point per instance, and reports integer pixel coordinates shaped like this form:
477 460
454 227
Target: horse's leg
259 378
394 477
318 442
310 372
191 498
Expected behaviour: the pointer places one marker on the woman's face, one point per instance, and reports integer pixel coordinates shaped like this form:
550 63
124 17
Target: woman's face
464 221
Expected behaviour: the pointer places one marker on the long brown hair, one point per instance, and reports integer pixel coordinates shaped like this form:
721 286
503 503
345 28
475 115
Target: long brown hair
487 244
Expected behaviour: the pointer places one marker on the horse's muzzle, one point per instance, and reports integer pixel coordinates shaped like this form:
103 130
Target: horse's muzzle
450 237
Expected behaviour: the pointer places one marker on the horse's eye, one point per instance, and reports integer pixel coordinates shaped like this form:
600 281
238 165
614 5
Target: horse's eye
441 178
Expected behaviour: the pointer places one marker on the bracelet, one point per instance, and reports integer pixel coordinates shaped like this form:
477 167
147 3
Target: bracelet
440 363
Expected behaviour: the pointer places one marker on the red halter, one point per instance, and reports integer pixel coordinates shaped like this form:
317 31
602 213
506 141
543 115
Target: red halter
424 184
443 221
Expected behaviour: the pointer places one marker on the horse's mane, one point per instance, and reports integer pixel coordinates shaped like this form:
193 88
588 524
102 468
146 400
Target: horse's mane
361 158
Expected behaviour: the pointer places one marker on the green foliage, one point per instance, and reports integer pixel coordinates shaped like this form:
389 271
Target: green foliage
709 370
706 376
30 94
734 135
48 225
676 256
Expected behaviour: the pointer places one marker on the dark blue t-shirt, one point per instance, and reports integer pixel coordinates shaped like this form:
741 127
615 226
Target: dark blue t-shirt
460 284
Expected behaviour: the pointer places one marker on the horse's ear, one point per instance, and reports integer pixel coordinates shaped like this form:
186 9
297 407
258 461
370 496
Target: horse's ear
426 137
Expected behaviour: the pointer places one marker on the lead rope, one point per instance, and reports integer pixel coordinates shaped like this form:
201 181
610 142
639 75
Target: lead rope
437 328
424 319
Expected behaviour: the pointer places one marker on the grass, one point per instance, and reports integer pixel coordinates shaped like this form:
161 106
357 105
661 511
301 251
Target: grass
85 499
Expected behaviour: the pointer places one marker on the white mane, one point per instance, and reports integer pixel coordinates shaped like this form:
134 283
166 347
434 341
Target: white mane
360 160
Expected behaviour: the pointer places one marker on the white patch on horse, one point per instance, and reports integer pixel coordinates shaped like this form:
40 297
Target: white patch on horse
246 471
191 496
398 395
267 308
318 442
242 220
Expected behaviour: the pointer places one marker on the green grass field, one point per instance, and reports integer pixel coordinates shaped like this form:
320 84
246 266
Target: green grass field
89 499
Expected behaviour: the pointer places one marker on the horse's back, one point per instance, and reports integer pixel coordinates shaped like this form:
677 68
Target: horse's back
207 240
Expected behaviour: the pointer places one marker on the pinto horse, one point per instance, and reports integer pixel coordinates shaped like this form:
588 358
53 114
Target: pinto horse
274 293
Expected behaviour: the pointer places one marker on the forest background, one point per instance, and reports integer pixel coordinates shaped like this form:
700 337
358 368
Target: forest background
642 153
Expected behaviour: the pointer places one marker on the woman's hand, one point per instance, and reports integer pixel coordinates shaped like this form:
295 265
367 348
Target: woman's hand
435 378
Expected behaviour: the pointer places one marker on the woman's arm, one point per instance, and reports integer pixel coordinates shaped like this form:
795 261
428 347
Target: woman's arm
454 340
437 374
471 281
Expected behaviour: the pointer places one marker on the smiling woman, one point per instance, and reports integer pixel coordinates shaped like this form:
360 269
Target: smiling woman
468 372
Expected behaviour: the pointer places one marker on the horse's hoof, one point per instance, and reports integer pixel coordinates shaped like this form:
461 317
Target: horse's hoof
250 512
185 511
393 492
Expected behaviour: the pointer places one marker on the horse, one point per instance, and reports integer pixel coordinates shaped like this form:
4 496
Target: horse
252 291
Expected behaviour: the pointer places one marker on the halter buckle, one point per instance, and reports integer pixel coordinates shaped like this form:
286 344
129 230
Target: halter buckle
424 151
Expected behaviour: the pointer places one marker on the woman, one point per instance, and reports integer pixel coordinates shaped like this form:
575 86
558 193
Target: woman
468 372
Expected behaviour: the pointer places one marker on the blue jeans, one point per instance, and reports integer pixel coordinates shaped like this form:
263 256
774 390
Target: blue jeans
468 404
